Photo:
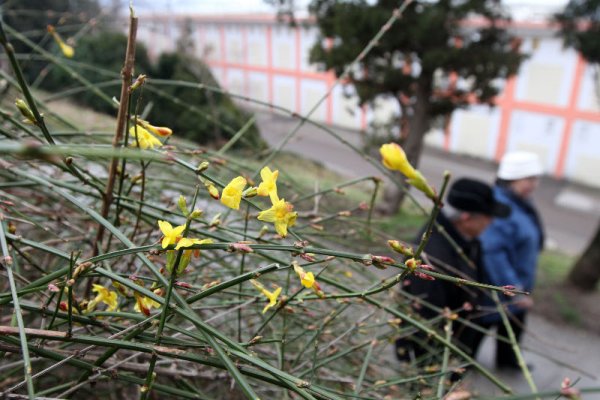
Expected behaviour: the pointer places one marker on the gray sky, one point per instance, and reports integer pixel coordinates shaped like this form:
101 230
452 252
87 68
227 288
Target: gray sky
521 9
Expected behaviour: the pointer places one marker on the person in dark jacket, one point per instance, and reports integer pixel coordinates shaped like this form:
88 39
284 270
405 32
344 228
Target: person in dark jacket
469 209
511 246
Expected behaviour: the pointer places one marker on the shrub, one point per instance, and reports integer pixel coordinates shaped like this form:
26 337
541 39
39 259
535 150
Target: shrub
100 55
201 115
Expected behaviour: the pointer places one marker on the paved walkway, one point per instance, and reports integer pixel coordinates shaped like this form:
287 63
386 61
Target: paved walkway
555 351
571 212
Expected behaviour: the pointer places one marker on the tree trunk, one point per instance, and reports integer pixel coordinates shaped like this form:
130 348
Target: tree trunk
585 274
419 123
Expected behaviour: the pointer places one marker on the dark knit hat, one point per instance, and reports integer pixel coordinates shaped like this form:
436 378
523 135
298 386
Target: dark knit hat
475 196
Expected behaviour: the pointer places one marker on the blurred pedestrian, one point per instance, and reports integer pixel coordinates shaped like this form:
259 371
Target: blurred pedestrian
470 207
511 246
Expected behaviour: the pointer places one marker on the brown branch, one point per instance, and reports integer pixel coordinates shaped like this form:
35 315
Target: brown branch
13 331
126 74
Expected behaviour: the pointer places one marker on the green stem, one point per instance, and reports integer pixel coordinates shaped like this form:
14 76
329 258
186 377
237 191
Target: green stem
241 272
363 370
377 183
147 388
236 137
70 296
7 262
10 52
434 213
514 343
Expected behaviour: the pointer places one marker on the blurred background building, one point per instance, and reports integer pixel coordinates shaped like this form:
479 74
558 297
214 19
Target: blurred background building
551 107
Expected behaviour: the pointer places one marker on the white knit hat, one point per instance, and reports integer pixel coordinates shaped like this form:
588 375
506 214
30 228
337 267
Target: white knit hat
518 165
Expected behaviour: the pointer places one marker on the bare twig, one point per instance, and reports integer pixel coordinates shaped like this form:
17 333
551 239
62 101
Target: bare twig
126 74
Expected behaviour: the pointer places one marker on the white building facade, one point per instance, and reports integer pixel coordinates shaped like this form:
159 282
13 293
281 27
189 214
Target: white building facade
551 107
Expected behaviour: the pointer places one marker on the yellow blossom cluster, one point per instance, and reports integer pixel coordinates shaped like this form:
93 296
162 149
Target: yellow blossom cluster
281 213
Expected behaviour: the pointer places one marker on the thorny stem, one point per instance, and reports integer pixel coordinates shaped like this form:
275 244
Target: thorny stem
126 74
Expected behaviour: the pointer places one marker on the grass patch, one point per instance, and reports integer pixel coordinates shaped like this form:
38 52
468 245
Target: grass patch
403 225
553 267
566 310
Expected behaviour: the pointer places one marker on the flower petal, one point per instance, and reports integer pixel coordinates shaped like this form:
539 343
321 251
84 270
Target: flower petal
165 227
177 231
267 215
281 227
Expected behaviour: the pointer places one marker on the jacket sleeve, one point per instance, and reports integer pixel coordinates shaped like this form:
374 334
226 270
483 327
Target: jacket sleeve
499 250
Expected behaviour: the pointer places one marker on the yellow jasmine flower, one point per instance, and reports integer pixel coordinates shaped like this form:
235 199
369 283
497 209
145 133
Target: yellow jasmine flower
105 296
67 50
271 296
143 138
161 131
281 215
395 158
268 186
306 278
187 242
187 254
171 234
144 304
232 193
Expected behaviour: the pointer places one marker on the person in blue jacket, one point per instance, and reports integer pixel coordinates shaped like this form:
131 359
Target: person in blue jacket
511 246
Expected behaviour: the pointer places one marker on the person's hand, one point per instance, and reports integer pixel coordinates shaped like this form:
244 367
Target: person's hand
524 302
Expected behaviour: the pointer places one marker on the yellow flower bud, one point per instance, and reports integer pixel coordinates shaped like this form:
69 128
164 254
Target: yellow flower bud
67 50
212 190
26 111
196 214
203 166
398 247
216 221
141 79
395 158
250 192
183 205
